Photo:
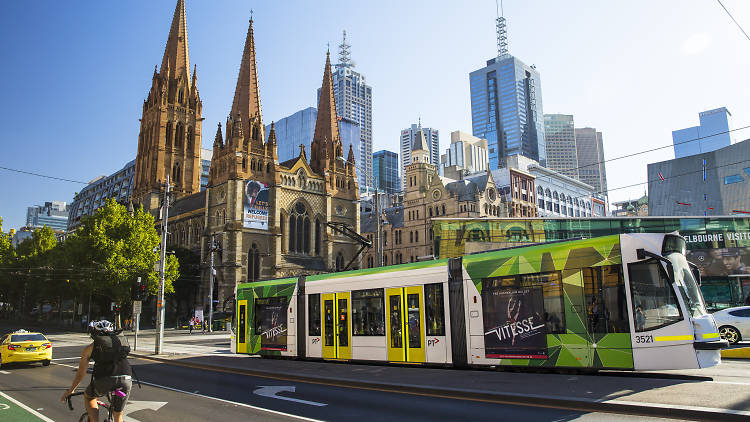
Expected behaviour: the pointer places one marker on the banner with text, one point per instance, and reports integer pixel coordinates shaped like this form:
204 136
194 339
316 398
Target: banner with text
513 323
256 205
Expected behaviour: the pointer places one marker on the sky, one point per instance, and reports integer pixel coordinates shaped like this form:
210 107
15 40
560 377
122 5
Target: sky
74 74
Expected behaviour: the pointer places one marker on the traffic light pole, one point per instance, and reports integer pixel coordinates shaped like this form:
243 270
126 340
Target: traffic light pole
211 286
160 298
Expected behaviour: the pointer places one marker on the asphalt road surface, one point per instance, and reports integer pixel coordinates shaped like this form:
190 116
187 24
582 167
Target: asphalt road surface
174 393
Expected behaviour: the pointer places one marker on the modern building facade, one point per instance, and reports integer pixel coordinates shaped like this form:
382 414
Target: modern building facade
710 135
354 102
118 186
559 135
591 166
385 170
206 155
298 129
465 155
706 184
406 140
506 109
53 214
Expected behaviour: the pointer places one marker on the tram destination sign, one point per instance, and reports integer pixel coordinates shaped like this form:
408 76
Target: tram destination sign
513 324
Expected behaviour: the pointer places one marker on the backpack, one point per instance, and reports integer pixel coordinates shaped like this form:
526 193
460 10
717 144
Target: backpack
109 350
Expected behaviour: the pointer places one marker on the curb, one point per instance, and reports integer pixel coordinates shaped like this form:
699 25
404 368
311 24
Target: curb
736 353
531 400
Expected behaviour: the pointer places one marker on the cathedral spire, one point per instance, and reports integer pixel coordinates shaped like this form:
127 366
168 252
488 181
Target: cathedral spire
246 101
176 56
327 125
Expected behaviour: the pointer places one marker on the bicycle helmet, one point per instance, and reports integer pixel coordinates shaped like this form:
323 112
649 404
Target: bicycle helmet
102 327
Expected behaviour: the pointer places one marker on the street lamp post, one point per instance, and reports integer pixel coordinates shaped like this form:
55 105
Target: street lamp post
211 285
160 297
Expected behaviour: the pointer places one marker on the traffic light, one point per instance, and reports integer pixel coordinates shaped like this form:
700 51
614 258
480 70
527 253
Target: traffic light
138 291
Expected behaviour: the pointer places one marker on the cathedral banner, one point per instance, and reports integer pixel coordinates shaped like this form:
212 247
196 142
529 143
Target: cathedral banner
255 214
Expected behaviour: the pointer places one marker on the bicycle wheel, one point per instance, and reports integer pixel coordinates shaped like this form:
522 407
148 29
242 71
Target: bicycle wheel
84 417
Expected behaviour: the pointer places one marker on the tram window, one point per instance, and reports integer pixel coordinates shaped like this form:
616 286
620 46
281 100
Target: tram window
241 321
343 324
313 306
328 306
368 318
606 305
554 307
414 316
497 282
434 311
394 306
654 301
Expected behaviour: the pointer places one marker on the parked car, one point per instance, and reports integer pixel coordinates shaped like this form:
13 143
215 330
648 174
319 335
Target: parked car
733 323
23 346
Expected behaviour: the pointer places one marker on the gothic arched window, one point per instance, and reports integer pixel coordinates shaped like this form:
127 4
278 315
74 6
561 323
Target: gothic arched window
318 240
168 139
299 229
443 209
179 135
190 139
253 263
255 133
176 172
339 262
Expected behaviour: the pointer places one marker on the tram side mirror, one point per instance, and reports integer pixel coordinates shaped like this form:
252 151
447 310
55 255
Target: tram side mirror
696 275
640 253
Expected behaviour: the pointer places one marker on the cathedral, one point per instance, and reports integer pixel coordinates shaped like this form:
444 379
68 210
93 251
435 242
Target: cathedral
266 219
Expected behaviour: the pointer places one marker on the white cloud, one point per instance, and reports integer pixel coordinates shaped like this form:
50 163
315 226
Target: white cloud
696 44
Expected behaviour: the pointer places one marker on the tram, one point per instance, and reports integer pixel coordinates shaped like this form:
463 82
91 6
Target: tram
627 301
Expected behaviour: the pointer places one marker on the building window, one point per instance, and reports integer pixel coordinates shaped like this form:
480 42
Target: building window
299 229
339 262
368 315
317 237
253 264
411 237
734 178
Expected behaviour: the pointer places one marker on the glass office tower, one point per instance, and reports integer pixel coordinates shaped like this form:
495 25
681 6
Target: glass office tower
385 171
506 109
712 134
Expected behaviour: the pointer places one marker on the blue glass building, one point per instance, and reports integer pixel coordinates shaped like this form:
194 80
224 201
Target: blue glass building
712 134
298 129
506 109
385 171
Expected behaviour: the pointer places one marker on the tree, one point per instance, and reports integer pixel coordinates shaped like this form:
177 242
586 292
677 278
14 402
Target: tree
119 248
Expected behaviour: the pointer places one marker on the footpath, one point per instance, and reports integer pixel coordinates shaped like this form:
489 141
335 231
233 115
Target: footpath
719 393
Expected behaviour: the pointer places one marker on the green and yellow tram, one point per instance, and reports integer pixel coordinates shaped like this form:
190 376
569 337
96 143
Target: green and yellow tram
628 301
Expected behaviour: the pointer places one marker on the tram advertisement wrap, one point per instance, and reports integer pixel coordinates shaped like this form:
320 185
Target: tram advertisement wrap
270 322
513 323
255 205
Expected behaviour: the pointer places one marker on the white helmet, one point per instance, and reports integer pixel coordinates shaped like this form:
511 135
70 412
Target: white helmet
103 326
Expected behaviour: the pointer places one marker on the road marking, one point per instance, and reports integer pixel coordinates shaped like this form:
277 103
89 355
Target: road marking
75 358
272 390
136 405
275 412
5 372
26 408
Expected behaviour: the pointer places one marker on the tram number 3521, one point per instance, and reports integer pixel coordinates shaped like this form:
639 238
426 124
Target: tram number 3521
644 339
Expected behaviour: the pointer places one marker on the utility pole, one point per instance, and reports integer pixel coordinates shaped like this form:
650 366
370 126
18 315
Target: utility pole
160 297
211 285
378 230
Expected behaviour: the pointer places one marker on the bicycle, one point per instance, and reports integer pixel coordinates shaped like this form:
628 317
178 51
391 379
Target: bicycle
108 405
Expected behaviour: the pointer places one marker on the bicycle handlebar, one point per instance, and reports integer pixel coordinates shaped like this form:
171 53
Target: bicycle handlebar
70 403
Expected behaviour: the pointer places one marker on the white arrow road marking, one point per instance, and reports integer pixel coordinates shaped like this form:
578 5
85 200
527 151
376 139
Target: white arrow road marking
4 406
272 390
136 405
4 372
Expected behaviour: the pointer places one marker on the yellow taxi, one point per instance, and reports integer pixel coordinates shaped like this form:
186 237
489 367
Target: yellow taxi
24 346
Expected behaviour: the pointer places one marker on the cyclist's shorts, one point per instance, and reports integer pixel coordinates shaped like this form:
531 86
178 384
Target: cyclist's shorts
101 386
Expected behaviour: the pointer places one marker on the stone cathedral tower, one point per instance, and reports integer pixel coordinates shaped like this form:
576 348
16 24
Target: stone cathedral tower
169 142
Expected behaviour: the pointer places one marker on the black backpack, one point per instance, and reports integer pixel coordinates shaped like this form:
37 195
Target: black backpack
109 349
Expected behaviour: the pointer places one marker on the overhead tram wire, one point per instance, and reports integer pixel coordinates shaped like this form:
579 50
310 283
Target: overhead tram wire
43 175
733 19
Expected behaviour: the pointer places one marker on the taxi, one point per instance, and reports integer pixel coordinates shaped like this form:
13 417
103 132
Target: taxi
24 346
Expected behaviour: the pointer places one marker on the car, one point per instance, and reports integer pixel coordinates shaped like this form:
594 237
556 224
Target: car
24 346
733 323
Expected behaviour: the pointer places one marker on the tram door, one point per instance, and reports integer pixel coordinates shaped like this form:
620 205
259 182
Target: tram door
241 333
405 325
337 338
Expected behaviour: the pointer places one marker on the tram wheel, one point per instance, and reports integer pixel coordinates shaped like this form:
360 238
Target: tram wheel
730 334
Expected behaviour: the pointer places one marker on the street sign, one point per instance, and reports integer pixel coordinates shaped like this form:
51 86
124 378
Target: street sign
137 307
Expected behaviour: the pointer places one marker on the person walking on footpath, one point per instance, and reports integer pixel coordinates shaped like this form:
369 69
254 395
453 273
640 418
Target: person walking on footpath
203 326
191 323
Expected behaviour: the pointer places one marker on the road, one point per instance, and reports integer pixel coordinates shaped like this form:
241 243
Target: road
175 393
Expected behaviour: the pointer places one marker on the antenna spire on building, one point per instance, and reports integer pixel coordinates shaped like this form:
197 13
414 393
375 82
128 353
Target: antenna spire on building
344 54
502 31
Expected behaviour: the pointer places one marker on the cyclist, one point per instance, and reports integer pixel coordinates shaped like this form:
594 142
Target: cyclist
112 371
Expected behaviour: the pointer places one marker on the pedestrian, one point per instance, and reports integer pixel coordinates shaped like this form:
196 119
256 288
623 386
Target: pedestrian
191 323
203 327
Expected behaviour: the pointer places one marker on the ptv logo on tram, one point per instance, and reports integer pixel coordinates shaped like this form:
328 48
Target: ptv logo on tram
316 340
433 342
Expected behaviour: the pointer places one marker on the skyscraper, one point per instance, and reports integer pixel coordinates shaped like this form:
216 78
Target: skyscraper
562 155
710 135
465 155
354 102
53 214
432 138
297 129
591 168
506 106
385 171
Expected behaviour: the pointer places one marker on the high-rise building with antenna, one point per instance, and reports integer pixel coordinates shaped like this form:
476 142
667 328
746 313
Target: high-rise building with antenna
354 102
506 105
